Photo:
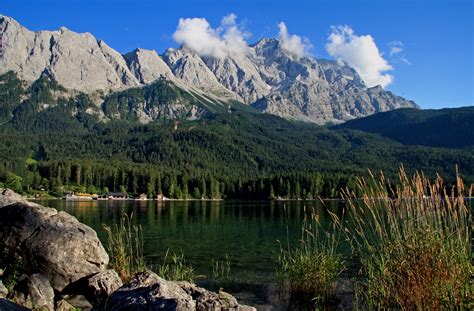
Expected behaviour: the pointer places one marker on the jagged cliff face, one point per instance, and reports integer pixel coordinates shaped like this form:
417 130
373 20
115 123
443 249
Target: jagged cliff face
275 81
266 76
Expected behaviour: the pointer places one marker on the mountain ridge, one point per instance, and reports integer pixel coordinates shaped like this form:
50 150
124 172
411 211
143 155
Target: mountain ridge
266 77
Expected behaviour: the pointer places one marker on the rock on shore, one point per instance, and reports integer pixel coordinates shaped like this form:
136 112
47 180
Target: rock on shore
64 266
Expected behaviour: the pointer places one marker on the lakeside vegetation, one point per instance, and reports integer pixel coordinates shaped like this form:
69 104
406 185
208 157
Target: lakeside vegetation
411 242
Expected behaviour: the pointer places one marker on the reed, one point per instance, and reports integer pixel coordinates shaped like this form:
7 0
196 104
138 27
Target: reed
175 268
311 269
125 247
221 269
413 243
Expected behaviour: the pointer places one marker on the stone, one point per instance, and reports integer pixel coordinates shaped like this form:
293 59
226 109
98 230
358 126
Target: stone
207 300
52 243
8 196
147 291
78 302
63 305
34 291
65 250
99 286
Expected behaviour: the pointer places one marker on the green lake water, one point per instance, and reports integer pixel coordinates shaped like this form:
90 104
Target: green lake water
247 231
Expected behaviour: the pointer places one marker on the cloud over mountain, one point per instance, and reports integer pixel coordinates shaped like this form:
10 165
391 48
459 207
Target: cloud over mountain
197 34
360 52
294 44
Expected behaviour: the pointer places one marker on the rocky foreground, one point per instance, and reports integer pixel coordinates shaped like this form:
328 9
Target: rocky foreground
60 264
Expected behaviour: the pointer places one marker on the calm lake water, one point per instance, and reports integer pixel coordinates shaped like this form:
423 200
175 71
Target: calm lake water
246 231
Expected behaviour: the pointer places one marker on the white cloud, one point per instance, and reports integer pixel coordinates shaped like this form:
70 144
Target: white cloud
396 47
396 52
294 44
361 53
197 34
229 20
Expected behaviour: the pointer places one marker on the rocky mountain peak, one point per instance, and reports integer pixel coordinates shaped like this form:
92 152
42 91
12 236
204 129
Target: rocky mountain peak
267 76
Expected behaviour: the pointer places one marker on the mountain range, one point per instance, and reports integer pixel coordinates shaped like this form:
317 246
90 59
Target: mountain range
266 77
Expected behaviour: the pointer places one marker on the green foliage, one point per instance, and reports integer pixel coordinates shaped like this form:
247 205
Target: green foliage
176 269
125 247
312 268
438 128
52 143
413 242
14 266
221 269
13 182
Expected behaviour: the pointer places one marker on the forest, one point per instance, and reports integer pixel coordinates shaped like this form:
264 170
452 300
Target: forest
51 143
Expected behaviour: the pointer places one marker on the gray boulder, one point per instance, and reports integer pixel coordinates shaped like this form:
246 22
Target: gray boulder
99 286
52 243
147 291
8 196
34 291
63 305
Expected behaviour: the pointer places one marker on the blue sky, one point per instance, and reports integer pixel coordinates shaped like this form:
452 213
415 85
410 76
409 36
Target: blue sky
435 68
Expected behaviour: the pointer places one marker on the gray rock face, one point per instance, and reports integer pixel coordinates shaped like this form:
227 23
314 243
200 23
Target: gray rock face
147 66
34 291
101 285
76 61
63 305
54 244
8 196
147 291
266 76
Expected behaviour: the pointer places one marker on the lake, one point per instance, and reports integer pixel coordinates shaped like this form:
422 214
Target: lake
246 231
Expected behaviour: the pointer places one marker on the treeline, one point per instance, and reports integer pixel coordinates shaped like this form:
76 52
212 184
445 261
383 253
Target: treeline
56 177
60 143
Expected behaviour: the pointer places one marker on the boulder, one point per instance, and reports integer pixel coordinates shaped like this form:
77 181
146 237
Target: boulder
205 300
65 250
63 305
52 243
99 286
34 291
147 291
8 196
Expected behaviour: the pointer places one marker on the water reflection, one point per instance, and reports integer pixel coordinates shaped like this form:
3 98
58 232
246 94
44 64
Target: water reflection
247 231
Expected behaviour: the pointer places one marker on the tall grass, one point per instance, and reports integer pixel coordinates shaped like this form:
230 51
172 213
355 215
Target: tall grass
175 268
311 268
221 269
413 243
125 247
